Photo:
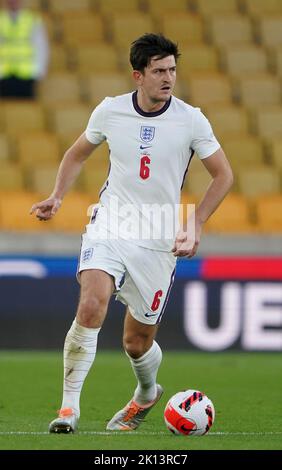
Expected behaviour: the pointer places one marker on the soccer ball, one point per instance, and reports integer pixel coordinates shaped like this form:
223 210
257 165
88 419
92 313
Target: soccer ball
190 413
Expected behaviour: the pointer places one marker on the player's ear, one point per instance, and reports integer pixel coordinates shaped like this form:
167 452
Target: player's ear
137 77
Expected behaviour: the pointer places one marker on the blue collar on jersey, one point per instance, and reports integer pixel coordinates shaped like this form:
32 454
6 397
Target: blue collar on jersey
144 113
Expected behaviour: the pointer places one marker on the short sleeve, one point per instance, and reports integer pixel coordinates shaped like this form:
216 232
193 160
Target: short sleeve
203 142
95 130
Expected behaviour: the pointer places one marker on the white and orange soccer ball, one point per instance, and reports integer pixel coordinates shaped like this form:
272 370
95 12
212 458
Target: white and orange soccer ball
190 413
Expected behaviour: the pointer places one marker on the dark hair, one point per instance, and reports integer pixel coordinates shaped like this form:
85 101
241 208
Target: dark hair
148 46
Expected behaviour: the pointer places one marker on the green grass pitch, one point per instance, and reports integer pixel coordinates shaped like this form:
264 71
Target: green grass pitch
244 387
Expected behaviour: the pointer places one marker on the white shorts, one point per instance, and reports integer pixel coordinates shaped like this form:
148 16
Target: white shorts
143 277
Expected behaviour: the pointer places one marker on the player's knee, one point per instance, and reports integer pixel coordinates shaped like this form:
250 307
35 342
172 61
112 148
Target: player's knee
89 309
135 346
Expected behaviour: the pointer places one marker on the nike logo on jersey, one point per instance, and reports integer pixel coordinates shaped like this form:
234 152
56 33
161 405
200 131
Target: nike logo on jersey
150 314
142 147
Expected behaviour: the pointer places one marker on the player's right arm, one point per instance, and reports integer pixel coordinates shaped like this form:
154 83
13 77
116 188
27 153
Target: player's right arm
69 170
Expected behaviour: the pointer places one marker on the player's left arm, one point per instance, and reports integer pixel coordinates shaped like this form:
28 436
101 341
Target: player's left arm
188 239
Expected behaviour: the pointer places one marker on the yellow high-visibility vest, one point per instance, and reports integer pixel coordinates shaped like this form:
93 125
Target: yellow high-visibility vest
17 53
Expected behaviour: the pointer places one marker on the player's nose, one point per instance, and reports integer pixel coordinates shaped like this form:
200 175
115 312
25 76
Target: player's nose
168 76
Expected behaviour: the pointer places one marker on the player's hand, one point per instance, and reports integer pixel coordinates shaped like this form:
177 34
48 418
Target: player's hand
46 209
187 242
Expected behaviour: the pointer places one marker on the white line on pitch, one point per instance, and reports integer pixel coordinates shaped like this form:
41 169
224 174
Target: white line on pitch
134 433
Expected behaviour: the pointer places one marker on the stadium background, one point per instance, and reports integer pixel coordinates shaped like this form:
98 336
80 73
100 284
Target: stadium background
230 296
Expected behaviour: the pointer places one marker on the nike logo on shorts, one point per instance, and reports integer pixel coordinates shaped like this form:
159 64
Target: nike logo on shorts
150 315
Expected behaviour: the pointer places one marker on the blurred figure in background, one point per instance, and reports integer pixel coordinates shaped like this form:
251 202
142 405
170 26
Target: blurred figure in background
24 50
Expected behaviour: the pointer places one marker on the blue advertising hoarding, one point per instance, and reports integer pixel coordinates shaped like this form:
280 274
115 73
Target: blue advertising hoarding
216 304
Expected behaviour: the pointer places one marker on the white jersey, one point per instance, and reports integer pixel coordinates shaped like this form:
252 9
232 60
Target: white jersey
149 157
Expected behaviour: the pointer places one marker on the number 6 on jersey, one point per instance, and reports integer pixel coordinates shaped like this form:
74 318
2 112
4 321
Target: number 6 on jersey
144 168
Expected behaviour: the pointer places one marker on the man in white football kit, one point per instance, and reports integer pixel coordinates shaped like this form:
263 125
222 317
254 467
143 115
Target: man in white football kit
127 249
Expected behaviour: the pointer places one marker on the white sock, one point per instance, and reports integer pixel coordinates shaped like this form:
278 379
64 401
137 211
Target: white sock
79 354
145 369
